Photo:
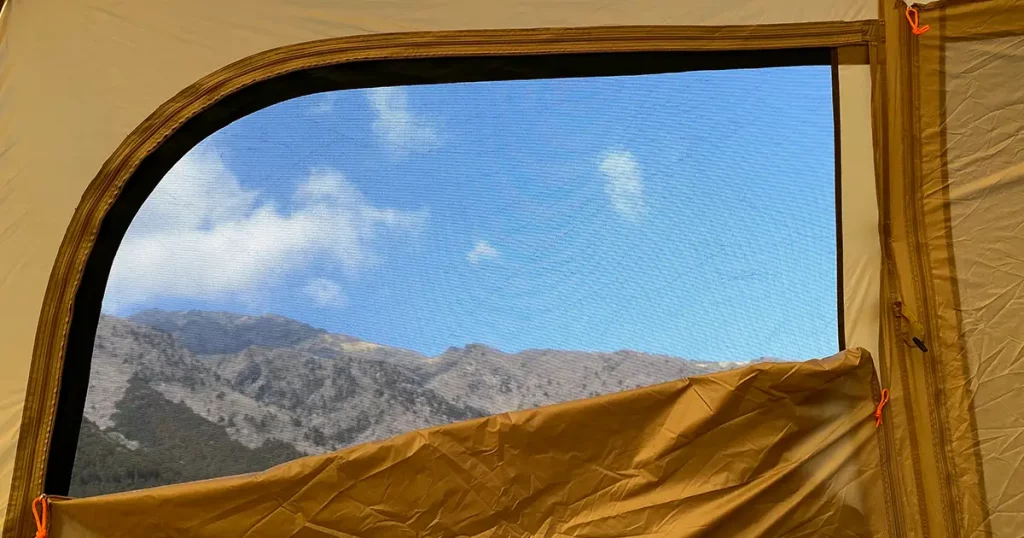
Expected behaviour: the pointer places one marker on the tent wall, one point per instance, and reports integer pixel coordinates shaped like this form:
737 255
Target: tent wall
969 178
950 146
121 68
931 273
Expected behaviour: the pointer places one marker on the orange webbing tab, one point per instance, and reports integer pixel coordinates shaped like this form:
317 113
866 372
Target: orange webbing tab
881 404
915 21
41 511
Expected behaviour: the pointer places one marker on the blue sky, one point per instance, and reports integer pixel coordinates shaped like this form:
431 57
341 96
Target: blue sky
690 214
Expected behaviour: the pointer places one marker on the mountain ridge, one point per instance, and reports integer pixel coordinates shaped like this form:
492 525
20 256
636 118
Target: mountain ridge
269 388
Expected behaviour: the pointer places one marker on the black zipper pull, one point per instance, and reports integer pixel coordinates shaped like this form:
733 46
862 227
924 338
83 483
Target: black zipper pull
912 330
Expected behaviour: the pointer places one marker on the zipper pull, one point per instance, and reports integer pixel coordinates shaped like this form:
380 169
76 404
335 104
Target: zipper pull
41 513
911 329
914 18
881 405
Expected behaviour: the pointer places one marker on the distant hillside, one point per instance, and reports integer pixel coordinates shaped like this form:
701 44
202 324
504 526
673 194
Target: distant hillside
178 396
160 442
219 332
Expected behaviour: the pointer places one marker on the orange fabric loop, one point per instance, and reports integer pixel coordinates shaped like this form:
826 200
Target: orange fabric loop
915 21
881 404
41 511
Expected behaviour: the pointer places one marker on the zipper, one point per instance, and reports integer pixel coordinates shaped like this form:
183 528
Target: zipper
896 528
916 330
911 330
926 402
890 476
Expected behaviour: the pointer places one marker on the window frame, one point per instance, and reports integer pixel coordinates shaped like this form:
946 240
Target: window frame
151 169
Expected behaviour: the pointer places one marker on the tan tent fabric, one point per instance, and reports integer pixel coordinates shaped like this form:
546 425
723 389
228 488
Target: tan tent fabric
972 187
984 145
932 235
130 58
773 449
862 256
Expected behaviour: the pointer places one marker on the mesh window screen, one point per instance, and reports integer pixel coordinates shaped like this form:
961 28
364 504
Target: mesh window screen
347 266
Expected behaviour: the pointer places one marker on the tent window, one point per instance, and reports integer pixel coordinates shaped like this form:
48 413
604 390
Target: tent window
349 265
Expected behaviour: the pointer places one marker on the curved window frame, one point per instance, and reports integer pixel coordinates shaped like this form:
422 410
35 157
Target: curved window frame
348 76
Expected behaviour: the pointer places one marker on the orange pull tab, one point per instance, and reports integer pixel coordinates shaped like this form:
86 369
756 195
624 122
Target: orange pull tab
914 18
881 404
41 511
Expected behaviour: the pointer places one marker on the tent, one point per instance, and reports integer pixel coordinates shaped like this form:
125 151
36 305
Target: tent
913 429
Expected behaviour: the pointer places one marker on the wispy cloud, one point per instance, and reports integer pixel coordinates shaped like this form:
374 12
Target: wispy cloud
324 292
481 251
201 235
396 125
623 184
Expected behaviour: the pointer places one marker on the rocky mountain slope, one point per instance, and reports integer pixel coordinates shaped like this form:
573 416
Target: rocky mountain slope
177 396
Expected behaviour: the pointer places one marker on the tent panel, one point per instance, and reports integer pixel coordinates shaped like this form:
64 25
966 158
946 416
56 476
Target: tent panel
775 449
972 188
985 143
116 86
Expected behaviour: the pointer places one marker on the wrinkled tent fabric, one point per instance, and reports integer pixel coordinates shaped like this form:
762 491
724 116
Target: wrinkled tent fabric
772 449
972 240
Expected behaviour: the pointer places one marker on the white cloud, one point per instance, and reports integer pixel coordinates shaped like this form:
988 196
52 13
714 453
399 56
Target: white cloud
481 251
201 235
324 292
623 184
396 125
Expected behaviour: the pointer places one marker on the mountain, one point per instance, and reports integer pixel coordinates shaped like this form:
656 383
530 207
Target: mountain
488 379
221 332
179 396
159 442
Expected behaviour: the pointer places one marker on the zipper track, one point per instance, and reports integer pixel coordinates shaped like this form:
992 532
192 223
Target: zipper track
893 491
932 385
897 527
